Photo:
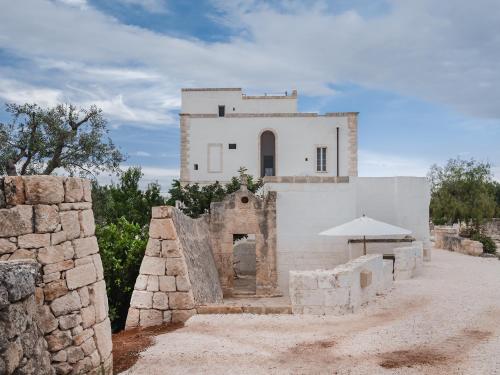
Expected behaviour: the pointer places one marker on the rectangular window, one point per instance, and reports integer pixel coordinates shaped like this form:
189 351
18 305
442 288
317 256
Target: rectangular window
196 167
320 159
222 110
232 146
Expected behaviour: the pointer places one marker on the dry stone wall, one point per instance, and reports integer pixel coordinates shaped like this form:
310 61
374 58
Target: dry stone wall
177 272
23 349
49 219
408 261
448 238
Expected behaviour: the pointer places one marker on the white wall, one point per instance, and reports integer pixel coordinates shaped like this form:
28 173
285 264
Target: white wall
304 210
296 140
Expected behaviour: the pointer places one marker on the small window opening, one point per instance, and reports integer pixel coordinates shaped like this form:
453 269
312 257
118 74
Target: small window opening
222 110
196 167
232 146
234 109
244 200
321 159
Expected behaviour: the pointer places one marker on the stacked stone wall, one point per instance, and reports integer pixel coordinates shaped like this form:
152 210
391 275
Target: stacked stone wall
341 290
49 219
23 349
177 272
448 238
408 261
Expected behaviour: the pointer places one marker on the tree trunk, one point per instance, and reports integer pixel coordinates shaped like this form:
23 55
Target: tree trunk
11 168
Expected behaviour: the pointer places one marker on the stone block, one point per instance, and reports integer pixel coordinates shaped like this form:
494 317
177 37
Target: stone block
21 254
162 228
51 277
33 240
69 321
152 285
58 340
182 283
99 299
73 189
87 190
12 356
153 248
75 354
55 289
16 221
88 346
149 318
46 320
51 254
161 212
85 246
88 316
176 267
70 224
160 301
60 356
132 318
141 299
83 366
77 206
87 223
102 333
81 276
84 296
95 359
58 237
14 190
152 266
98 266
167 283
141 282
62 368
44 189
170 249
46 218
66 304
365 278
83 336
182 316
6 246
181 301
59 266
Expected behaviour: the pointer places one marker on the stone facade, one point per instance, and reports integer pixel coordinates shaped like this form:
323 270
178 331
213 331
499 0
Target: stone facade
244 213
49 219
177 272
448 238
23 349
341 290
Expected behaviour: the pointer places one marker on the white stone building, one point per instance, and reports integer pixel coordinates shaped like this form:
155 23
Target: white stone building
223 129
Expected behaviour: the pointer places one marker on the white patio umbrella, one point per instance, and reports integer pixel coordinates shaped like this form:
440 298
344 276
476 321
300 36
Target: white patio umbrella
365 226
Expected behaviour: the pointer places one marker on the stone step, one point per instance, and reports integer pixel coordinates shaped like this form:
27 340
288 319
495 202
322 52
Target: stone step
261 310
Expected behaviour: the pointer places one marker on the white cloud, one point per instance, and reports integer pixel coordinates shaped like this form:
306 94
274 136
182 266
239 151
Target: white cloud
152 6
20 92
376 164
142 153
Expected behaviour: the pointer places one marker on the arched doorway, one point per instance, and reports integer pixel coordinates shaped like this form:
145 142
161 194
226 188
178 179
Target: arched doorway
267 154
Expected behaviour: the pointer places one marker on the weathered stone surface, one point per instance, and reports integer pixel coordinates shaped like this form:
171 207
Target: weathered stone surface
60 356
161 212
85 246
22 254
16 221
87 224
70 224
51 277
170 249
46 218
83 261
167 316
103 338
46 320
63 368
75 354
153 248
160 301
77 206
87 190
84 296
98 266
44 189
13 355
88 316
99 300
167 283
66 304
176 267
141 300
132 318
141 282
58 340
58 267
95 358
6 246
149 318
73 189
88 346
162 228
51 254
182 283
14 190
55 290
69 321
181 301
33 240
19 278
152 284
58 237
152 266
181 316
81 276
83 336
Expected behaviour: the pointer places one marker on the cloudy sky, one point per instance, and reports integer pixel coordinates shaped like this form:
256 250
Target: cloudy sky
424 74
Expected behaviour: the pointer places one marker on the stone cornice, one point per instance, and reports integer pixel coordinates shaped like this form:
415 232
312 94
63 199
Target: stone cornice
273 114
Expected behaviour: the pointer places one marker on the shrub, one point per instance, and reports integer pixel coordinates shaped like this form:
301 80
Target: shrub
489 245
122 247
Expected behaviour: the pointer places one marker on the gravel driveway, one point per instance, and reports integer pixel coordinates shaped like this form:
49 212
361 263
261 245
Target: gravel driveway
446 321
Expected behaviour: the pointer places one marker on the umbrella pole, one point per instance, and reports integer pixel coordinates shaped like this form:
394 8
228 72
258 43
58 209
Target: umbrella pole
364 245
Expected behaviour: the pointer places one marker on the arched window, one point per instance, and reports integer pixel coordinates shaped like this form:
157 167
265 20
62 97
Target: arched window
267 154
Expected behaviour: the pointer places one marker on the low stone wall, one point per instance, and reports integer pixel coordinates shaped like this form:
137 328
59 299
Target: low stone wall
23 349
49 219
341 290
408 261
177 273
448 238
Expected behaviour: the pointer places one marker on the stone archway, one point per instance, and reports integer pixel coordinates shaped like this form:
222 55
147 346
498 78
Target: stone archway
244 213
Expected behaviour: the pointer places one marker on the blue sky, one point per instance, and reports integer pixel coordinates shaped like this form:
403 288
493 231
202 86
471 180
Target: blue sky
423 75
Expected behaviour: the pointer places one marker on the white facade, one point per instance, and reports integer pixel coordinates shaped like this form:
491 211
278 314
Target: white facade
215 145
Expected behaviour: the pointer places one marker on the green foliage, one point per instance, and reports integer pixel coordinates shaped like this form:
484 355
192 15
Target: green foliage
196 199
125 199
121 246
489 245
462 190
38 140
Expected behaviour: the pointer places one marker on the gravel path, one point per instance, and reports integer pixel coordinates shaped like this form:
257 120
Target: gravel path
446 321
